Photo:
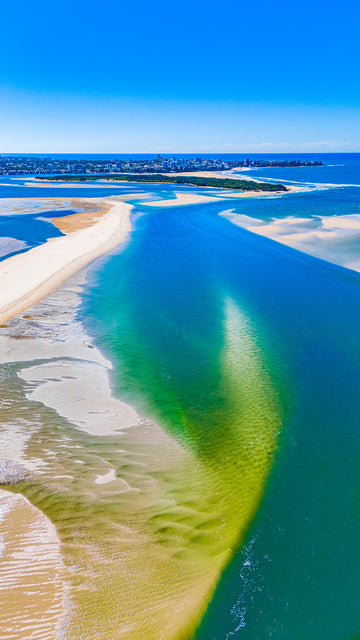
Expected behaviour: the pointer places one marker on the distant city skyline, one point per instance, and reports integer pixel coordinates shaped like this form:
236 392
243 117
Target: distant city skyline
187 78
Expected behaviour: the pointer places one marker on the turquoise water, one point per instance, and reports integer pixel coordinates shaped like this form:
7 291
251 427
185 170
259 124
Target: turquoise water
159 308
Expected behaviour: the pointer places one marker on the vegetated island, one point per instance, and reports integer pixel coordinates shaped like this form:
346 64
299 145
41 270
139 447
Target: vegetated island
217 183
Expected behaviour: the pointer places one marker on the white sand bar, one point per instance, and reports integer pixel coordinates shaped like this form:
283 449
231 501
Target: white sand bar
29 277
64 386
182 199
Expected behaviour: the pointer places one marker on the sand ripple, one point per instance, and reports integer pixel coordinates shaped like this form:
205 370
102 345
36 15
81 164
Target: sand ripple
31 587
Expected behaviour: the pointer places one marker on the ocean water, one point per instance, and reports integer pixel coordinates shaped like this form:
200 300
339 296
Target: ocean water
341 169
246 353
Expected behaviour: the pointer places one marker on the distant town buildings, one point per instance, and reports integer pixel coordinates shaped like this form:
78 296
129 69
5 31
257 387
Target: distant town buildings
25 165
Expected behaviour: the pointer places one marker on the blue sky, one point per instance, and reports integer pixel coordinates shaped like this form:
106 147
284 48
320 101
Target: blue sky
179 77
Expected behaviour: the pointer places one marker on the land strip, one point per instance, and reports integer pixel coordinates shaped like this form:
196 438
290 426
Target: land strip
28 277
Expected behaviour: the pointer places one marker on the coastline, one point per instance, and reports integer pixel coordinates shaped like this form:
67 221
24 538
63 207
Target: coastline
48 265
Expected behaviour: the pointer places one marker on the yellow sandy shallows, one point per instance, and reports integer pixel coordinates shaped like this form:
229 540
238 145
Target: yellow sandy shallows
174 537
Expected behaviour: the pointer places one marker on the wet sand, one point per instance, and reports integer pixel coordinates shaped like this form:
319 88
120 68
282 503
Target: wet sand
32 586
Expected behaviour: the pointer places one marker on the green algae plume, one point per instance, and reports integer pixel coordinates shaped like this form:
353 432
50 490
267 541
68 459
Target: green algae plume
144 552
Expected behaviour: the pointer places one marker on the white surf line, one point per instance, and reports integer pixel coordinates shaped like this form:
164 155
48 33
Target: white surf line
28 277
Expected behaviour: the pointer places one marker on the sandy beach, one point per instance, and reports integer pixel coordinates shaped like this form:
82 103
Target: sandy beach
228 175
28 277
200 174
